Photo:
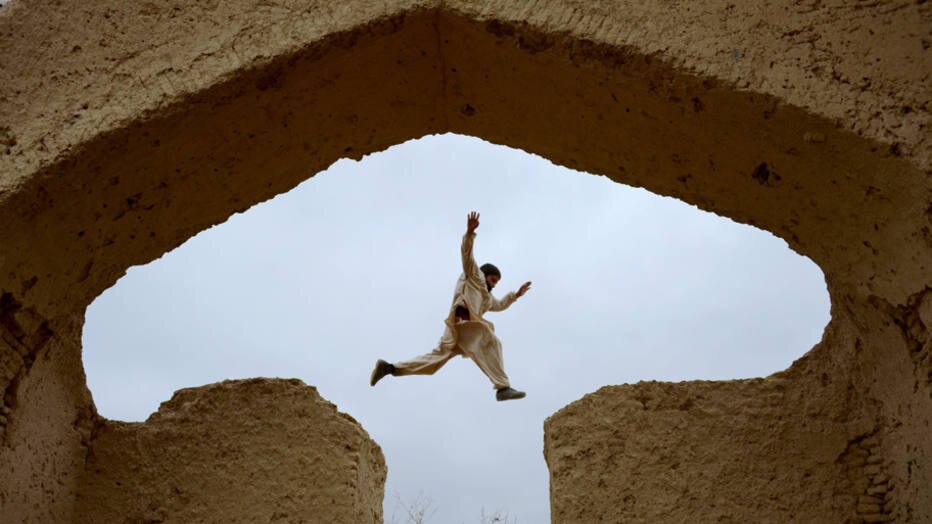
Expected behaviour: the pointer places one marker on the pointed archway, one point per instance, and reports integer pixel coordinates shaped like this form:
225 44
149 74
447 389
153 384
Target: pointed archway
119 148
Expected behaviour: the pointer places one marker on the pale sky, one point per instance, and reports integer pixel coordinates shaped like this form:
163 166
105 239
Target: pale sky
359 263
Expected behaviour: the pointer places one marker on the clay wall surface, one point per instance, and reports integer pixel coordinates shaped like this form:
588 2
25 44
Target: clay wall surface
258 450
127 128
47 415
801 442
667 452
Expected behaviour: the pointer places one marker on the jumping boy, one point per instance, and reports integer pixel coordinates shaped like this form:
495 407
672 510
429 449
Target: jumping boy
467 333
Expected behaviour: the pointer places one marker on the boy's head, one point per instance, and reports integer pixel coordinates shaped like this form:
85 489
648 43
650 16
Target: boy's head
492 275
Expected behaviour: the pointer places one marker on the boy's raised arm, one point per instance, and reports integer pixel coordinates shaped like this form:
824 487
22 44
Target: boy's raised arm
469 263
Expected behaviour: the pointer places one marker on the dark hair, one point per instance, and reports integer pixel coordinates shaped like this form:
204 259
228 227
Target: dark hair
489 269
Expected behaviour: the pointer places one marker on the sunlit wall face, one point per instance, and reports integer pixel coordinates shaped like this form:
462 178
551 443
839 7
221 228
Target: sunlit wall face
359 263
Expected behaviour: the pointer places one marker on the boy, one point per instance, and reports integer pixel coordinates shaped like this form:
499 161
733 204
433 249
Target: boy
467 334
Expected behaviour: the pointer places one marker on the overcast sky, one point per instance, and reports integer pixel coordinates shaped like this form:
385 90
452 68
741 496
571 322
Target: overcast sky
359 263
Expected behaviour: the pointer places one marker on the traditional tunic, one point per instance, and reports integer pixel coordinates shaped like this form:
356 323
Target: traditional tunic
474 338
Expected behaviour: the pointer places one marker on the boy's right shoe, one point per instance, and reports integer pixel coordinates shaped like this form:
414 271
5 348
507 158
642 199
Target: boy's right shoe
382 368
508 394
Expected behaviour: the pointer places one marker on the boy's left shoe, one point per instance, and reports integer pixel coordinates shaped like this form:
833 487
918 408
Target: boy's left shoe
509 394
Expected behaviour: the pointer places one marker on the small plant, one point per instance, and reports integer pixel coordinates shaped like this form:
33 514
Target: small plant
419 511
422 509
498 517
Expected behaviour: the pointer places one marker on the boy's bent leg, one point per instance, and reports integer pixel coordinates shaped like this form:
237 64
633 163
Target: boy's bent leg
481 345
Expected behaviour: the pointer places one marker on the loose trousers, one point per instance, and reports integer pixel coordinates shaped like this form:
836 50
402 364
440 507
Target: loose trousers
471 339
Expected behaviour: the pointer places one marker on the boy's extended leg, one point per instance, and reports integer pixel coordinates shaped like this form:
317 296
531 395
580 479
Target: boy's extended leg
423 365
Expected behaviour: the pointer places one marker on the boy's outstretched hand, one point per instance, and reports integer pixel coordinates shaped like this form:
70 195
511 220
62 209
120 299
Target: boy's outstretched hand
472 222
524 287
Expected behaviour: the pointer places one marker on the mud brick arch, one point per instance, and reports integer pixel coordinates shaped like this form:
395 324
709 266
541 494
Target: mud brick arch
126 128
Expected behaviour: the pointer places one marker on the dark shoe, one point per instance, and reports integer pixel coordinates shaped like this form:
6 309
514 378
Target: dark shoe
508 394
382 368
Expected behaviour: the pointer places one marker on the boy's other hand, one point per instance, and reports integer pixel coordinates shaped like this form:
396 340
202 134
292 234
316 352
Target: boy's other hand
524 288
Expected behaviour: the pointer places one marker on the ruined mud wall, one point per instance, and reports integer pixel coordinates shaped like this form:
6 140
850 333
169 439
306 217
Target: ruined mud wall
257 450
126 129
706 451
800 446
46 414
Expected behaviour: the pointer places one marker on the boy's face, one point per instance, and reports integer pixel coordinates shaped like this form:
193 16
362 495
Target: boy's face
491 280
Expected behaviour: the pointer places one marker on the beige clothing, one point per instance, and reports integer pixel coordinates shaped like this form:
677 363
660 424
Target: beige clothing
474 338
